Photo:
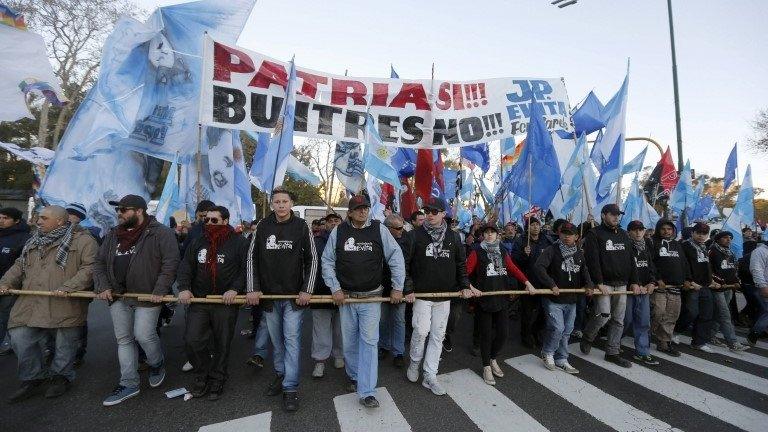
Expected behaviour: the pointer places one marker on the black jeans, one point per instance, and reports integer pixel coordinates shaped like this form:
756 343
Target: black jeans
702 325
530 313
493 333
208 323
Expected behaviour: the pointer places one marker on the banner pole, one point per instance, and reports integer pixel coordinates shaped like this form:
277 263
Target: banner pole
199 167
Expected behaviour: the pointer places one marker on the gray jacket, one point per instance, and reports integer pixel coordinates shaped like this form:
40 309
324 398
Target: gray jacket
758 265
153 265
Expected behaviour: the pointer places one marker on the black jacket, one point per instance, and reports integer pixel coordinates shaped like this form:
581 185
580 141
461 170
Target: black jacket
11 243
386 281
669 259
646 270
427 273
553 271
698 263
193 274
282 258
724 266
526 262
320 287
609 256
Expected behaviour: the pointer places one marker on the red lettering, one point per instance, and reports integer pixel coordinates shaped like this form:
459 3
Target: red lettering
342 89
380 94
411 93
444 96
309 88
270 73
222 62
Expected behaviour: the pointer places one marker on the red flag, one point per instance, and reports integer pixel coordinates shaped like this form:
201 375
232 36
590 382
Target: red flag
387 194
407 199
438 173
424 167
669 175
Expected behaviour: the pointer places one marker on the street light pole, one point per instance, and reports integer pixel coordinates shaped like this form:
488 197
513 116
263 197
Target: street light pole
676 90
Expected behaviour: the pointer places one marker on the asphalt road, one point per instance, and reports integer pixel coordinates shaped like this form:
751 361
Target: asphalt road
712 392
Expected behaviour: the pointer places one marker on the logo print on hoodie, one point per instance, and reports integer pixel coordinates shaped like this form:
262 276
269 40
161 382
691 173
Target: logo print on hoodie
203 254
442 253
611 246
273 244
5 250
491 270
350 246
727 265
665 252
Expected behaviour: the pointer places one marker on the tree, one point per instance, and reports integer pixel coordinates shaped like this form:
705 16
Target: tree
760 125
74 32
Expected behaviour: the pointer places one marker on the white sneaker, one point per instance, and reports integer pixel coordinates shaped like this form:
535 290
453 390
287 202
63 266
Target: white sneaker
432 384
675 339
187 367
567 368
488 376
706 348
338 363
319 370
549 362
737 347
496 369
578 334
413 372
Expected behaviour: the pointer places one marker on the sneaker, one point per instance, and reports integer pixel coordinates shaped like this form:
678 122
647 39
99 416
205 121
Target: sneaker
215 393
488 376
585 346
668 350
432 384
26 390
248 333
156 375
577 334
737 347
382 353
369 402
291 401
187 367
120 394
338 363
496 369
413 372
398 361
676 339
319 370
201 387
752 338
646 359
615 359
256 361
59 386
706 348
567 368
447 344
716 341
549 361
275 387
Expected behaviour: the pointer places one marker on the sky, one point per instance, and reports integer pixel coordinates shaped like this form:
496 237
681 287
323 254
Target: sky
722 56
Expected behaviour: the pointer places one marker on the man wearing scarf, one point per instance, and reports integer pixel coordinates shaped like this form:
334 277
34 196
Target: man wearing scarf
697 300
638 316
140 256
437 262
213 264
724 272
58 258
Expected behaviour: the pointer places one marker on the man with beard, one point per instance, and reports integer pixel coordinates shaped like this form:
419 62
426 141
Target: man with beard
14 232
213 264
140 255
59 259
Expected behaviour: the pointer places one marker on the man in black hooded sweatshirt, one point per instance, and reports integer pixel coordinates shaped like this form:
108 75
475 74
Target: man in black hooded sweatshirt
698 302
672 273
527 249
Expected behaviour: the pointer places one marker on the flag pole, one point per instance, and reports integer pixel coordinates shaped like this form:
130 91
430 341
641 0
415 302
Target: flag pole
199 167
530 192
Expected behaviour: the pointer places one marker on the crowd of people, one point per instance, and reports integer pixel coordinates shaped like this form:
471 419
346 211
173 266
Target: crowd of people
647 282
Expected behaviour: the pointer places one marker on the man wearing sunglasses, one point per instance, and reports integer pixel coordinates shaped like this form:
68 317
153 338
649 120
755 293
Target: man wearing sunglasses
213 265
437 263
353 266
140 256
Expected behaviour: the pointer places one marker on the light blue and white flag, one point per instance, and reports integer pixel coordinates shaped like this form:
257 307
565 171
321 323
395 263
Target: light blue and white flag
169 199
610 147
299 171
349 166
636 164
683 191
731 165
743 213
378 157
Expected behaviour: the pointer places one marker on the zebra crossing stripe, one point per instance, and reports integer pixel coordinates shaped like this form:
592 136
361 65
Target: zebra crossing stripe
716 370
354 417
602 406
744 356
487 407
255 423
684 393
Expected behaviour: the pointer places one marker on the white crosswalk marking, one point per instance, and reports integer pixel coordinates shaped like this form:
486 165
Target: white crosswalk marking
354 417
487 407
604 407
744 356
725 373
254 423
701 400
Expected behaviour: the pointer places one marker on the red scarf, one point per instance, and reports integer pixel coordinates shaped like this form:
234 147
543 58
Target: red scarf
216 235
128 238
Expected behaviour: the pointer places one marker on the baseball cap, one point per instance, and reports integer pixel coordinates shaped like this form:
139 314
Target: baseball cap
435 204
134 201
612 209
358 201
490 227
635 225
701 227
567 228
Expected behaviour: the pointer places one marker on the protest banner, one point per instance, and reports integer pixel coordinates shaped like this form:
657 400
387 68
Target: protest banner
243 89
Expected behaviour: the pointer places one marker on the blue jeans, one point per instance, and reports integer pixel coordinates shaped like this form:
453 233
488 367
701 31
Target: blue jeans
638 318
27 343
261 339
722 316
560 318
360 333
134 324
392 328
761 323
284 324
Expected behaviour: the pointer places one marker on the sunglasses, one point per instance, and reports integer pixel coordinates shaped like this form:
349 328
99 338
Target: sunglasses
397 228
433 212
212 220
123 209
